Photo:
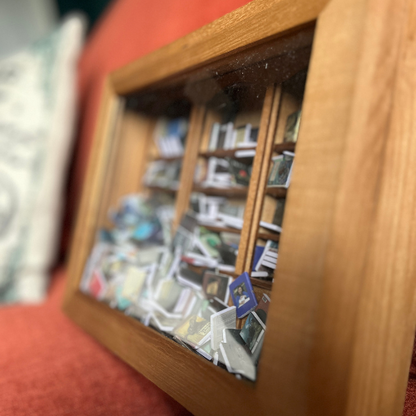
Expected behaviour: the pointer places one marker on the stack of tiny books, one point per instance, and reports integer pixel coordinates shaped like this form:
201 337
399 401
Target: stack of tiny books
281 166
178 284
225 136
220 170
169 138
227 172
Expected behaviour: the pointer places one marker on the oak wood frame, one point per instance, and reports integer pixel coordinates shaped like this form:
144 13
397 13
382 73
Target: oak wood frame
342 319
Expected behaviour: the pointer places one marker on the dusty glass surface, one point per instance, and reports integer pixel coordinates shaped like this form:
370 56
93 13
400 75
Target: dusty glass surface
183 253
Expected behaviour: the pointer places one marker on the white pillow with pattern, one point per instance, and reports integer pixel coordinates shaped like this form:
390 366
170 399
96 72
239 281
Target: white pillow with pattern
37 108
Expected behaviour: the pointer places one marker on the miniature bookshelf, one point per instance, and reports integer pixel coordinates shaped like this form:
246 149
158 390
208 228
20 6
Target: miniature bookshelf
266 108
335 273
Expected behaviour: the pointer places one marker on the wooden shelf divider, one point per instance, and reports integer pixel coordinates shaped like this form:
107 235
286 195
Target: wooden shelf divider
168 159
228 192
221 229
268 236
283 147
196 121
221 153
245 250
161 189
276 191
264 284
261 168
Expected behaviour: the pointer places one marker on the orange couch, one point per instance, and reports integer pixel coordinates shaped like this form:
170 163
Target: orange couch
48 365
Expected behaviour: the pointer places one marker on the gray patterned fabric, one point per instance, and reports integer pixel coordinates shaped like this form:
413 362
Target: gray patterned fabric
36 115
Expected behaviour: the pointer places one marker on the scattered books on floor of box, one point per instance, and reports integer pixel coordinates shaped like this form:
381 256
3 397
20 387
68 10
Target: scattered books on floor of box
174 284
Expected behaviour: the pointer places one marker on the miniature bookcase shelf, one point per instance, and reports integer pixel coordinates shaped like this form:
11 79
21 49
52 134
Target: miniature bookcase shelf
192 134
265 107
258 67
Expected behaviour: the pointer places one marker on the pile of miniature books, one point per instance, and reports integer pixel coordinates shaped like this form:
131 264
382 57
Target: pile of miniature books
180 285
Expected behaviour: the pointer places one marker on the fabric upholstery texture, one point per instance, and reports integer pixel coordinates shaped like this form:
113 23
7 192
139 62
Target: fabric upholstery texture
49 366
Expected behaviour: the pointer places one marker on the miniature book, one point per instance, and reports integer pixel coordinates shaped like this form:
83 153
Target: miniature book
205 350
216 286
215 305
135 279
263 308
272 214
214 137
240 171
225 319
242 135
184 237
163 323
221 136
97 284
268 260
281 171
236 355
243 295
292 127
228 254
189 277
195 331
258 252
253 331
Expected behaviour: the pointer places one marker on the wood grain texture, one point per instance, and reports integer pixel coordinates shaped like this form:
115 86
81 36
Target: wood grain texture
232 192
276 191
155 188
250 24
174 369
385 325
261 284
125 171
268 236
225 152
189 161
110 160
86 223
211 117
244 246
262 166
222 229
339 312
281 147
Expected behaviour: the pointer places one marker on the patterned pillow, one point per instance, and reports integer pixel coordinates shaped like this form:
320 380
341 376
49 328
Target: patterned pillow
37 103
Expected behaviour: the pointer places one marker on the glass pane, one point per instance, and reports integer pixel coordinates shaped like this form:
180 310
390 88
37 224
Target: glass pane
200 167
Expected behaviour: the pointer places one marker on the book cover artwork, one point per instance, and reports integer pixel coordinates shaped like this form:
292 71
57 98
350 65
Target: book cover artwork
243 295
292 127
281 170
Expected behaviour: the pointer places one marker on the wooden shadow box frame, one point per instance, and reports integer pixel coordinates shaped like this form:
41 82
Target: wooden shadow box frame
341 322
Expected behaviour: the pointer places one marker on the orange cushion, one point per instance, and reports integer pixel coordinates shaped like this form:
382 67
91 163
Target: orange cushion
49 366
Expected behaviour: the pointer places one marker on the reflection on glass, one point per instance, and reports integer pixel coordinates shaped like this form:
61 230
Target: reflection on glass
195 280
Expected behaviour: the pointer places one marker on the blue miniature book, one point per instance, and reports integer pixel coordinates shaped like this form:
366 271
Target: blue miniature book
242 295
258 252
